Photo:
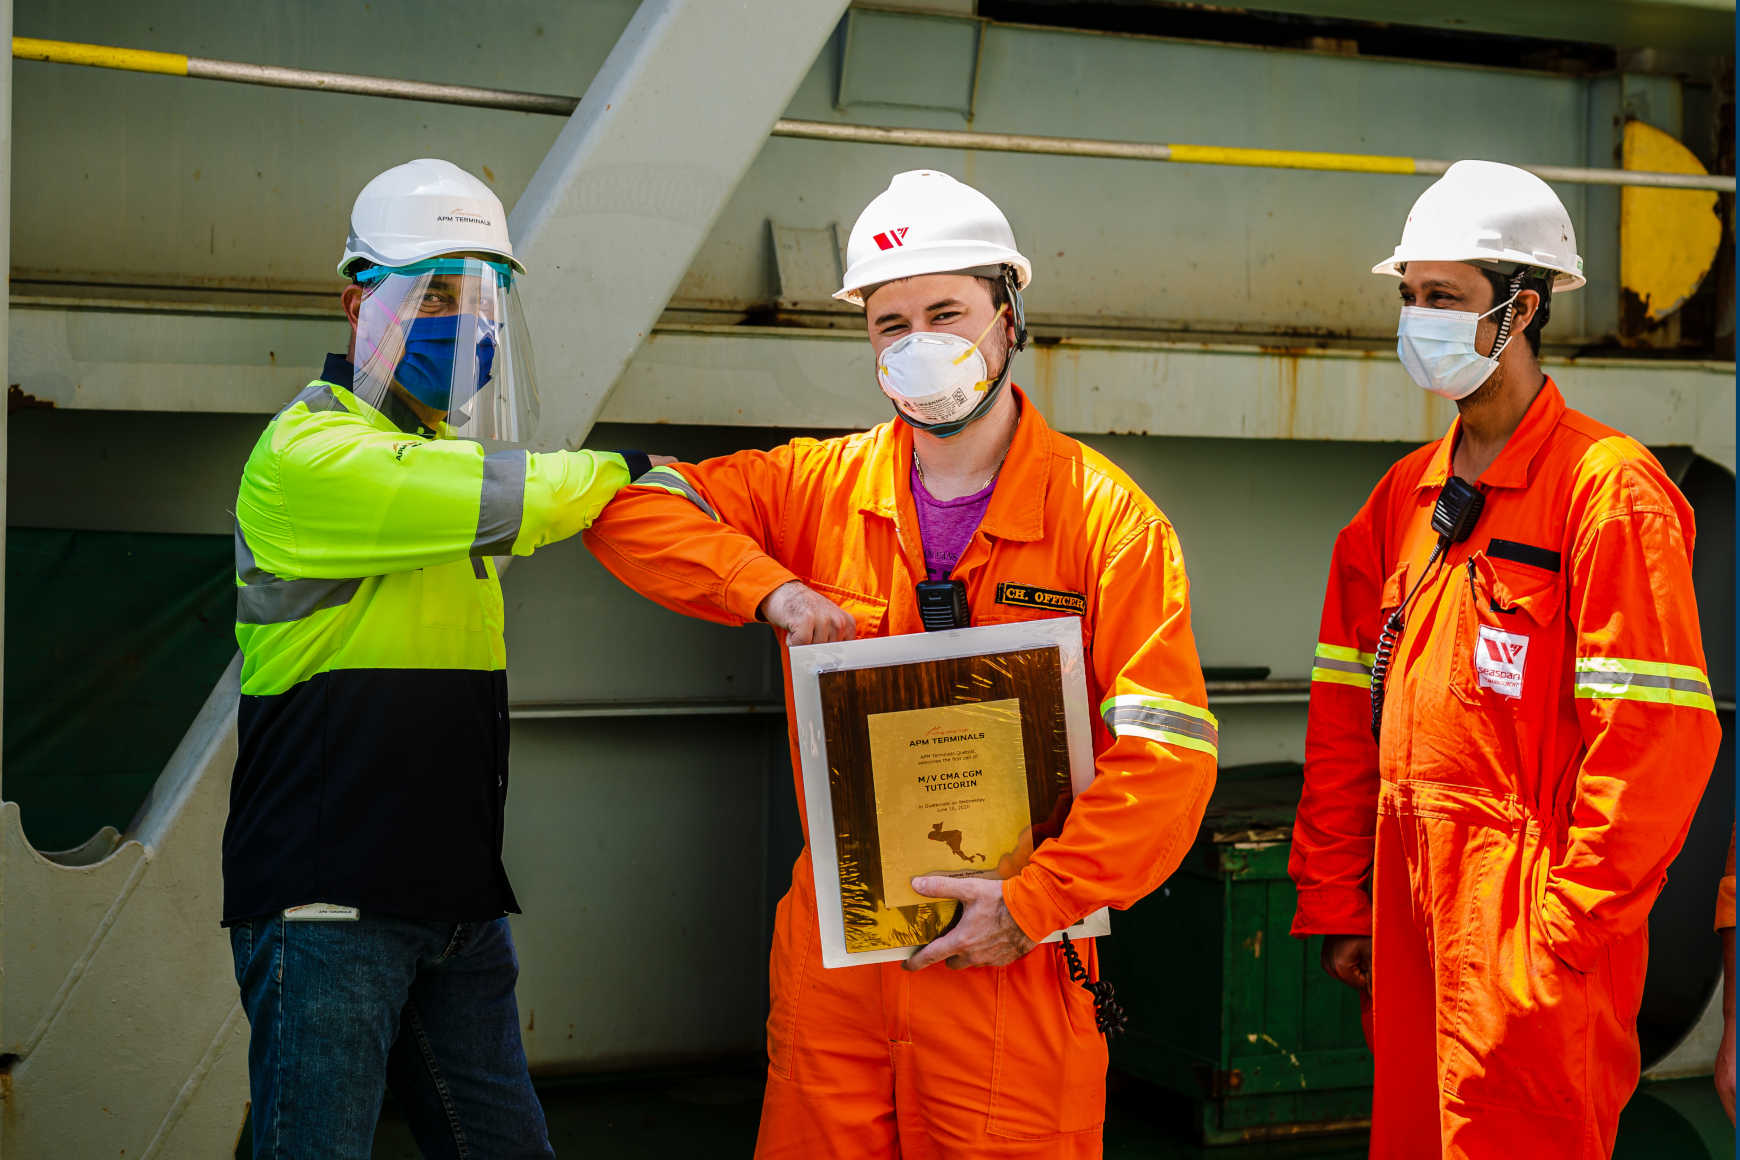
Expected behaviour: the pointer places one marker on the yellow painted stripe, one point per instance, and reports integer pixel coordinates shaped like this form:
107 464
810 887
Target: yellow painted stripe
1335 652
1342 677
1165 704
1291 159
172 64
1167 737
1649 695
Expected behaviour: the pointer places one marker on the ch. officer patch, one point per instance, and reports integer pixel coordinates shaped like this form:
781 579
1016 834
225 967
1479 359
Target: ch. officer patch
1049 599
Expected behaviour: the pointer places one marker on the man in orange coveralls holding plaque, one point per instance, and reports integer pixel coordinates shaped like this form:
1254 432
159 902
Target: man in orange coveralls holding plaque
1511 614
826 540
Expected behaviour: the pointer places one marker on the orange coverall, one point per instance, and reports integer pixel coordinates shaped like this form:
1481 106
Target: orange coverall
1547 733
983 1062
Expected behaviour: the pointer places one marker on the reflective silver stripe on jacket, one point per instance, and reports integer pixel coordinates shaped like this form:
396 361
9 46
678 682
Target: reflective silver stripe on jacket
268 599
502 509
317 396
671 480
1121 718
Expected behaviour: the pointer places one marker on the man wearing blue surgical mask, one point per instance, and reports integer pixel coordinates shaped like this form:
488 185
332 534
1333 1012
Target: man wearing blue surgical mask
364 891
431 347
1510 723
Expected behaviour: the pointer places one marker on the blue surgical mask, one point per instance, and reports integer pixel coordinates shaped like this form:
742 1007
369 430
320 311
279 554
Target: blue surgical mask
426 370
1437 349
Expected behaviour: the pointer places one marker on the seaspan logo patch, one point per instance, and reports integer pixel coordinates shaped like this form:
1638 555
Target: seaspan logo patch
892 239
1049 599
1499 659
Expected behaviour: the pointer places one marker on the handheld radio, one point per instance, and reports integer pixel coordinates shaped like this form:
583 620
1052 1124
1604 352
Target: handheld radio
1458 507
942 604
1453 518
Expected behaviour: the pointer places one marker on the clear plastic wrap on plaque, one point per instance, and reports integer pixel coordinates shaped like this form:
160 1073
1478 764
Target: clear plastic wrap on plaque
953 753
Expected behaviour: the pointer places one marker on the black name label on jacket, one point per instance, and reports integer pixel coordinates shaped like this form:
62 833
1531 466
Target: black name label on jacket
1050 599
1544 558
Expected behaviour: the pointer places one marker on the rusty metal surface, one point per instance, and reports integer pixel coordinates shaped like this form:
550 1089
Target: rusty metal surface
169 185
745 376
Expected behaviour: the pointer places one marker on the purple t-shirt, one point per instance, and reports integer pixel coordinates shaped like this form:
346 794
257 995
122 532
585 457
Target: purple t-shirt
947 525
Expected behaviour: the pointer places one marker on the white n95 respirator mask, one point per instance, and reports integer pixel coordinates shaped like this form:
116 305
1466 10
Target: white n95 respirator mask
938 382
1437 348
933 377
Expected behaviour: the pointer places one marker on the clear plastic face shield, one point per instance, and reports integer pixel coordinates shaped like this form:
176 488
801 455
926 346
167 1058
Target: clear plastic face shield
448 333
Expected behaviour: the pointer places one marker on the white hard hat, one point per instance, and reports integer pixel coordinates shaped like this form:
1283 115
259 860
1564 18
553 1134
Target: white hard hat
423 209
1482 211
926 222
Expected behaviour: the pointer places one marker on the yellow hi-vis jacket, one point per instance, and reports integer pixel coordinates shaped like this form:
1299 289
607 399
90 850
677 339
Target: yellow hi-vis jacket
373 733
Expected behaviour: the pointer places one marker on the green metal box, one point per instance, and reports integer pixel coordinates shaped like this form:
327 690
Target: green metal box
1227 1009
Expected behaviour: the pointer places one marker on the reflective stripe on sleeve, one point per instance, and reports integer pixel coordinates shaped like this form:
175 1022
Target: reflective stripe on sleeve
1163 719
1655 682
670 479
316 396
1337 665
262 598
501 510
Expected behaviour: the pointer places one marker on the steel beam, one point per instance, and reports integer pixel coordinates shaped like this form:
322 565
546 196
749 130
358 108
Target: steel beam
1699 26
820 380
273 76
113 951
737 375
614 215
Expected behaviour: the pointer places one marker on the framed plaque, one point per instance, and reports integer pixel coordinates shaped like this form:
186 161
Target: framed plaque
952 753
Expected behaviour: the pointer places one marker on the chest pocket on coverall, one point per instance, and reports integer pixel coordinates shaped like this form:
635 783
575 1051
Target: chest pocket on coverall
869 613
1507 636
1019 575
1395 588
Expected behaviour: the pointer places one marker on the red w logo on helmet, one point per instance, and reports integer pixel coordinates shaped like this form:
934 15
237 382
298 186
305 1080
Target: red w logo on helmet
891 239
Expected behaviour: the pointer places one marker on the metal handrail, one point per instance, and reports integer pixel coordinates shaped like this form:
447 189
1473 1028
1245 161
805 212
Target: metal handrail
273 76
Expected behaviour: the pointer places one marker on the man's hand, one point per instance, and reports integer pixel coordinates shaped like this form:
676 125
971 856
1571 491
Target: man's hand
986 935
661 460
1348 958
806 615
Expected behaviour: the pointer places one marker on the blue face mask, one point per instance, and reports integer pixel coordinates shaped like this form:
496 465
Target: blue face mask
426 370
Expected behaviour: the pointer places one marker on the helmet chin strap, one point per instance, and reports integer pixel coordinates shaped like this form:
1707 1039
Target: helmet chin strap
1018 316
944 430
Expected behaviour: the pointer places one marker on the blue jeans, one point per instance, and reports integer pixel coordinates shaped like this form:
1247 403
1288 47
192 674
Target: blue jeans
342 1010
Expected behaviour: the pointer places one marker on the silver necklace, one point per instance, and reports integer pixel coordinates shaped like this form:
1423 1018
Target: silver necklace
989 479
